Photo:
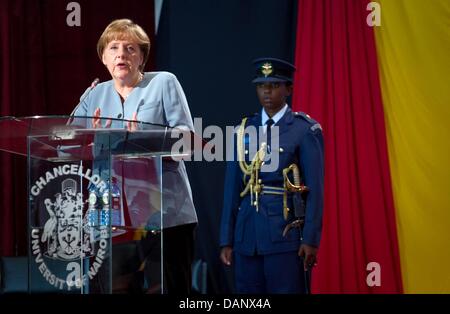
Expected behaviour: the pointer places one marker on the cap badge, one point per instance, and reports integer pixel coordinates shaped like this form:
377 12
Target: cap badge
266 69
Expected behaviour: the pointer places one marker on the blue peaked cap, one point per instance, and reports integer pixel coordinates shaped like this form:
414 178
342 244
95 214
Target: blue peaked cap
273 70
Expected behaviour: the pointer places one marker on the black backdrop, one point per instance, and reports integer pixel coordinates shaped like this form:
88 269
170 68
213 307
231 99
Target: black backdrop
209 45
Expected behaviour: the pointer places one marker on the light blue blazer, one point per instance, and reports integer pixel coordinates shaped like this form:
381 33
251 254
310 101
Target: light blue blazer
160 99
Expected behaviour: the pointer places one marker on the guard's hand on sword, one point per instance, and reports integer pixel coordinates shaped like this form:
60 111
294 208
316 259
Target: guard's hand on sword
226 255
309 254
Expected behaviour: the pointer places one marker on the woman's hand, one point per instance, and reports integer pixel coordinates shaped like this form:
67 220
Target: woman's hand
97 121
132 125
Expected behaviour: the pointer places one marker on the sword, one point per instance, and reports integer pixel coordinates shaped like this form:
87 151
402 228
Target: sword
295 224
307 279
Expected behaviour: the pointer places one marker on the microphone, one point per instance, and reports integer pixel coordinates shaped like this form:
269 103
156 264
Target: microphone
94 82
83 98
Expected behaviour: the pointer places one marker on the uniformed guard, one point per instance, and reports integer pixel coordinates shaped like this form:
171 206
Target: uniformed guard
272 220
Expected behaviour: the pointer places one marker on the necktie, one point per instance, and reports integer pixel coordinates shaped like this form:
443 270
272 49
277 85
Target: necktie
269 124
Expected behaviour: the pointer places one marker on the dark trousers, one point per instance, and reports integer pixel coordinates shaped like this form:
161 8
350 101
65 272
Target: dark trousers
178 255
271 273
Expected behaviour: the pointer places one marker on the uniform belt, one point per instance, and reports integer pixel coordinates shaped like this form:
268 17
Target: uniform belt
267 189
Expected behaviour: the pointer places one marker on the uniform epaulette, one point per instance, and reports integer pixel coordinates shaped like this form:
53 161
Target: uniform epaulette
314 124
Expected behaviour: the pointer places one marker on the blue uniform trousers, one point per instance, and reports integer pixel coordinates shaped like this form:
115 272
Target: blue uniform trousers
270 273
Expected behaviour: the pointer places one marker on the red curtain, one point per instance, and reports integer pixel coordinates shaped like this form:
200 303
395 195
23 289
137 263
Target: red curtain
6 200
45 66
13 200
337 83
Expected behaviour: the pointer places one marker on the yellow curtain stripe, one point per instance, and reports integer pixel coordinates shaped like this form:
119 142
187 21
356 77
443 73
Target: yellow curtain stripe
413 47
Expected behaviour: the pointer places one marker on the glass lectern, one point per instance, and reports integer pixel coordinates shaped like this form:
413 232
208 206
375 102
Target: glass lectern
88 188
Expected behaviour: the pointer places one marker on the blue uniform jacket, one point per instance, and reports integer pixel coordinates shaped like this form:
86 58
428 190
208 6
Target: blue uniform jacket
249 231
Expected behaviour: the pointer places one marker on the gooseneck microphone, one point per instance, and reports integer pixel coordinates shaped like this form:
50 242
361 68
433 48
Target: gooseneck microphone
83 98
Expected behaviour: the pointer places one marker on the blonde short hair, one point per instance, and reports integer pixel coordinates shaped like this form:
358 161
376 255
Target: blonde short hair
124 29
